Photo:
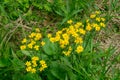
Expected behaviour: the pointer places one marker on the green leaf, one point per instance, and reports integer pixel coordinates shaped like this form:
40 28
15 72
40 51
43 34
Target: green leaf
67 62
17 76
50 76
4 62
17 64
76 11
61 71
31 76
27 53
69 69
71 75
59 13
58 70
49 47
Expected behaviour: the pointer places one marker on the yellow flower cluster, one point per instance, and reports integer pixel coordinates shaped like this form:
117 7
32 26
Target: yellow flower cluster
96 22
35 64
43 65
33 41
67 53
75 33
68 36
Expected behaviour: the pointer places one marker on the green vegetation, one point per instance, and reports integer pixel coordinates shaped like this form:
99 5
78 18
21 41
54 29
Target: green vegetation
59 39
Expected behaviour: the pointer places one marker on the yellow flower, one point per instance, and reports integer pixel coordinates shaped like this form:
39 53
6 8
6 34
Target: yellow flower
36 47
62 46
71 27
43 65
58 32
79 49
103 19
49 35
34 63
92 16
30 45
69 21
37 30
87 20
33 70
74 34
42 43
23 47
71 30
65 36
95 25
57 38
64 29
78 40
97 28
82 31
98 19
70 48
24 40
88 27
35 58
67 53
41 69
102 24
33 42
63 42
42 62
52 39
28 68
78 24
32 35
28 63
38 36
97 12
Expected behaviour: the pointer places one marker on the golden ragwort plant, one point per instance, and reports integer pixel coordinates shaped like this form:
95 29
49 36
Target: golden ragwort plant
70 40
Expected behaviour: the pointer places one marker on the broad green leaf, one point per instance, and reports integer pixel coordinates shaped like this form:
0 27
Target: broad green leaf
69 69
71 75
31 76
17 64
67 62
58 70
27 53
4 62
49 47
50 76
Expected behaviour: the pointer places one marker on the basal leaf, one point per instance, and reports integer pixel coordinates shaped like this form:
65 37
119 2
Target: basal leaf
49 47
